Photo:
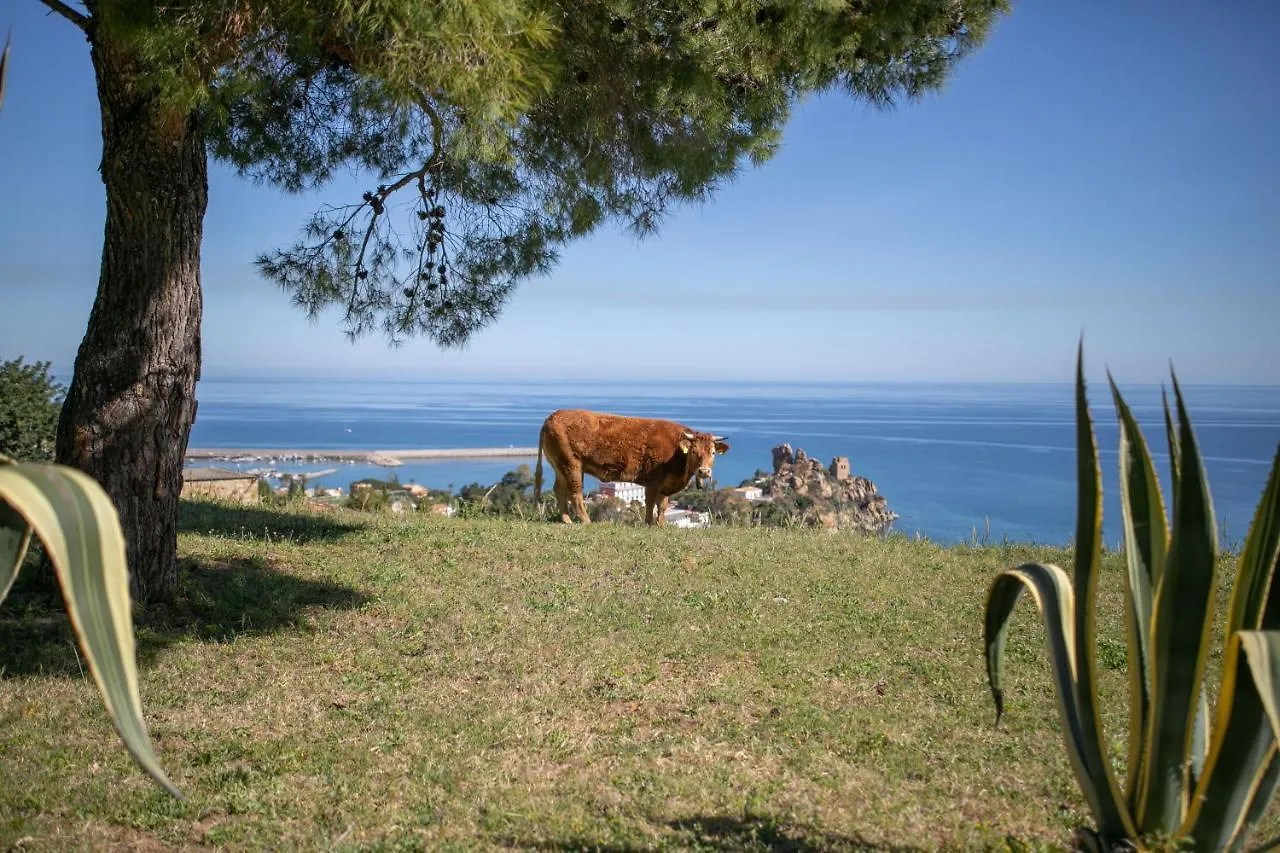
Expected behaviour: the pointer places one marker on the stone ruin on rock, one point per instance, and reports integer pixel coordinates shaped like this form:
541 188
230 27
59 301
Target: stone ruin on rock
839 499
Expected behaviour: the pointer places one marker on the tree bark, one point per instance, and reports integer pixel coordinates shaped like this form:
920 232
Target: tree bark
131 403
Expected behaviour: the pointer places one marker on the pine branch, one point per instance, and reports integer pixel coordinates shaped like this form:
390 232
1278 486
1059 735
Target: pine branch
437 127
80 19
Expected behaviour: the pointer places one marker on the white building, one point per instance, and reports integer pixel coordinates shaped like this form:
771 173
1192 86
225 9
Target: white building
687 518
625 492
751 493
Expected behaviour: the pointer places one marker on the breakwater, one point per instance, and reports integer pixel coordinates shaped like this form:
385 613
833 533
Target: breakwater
254 454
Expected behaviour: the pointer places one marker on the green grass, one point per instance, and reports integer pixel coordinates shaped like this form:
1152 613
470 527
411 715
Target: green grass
342 682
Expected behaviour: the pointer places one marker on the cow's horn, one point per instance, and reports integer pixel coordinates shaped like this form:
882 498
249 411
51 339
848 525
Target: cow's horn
689 436
717 438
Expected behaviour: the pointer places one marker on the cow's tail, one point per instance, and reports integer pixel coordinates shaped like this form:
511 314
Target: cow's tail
537 471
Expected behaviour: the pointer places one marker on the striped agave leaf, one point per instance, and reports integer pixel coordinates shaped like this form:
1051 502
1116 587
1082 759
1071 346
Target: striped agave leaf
1071 629
1050 588
1181 627
1242 769
1199 787
1146 530
78 526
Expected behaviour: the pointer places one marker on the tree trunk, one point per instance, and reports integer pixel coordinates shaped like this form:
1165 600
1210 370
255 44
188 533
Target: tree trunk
129 410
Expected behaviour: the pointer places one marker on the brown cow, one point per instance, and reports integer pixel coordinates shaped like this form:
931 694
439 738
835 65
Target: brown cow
662 456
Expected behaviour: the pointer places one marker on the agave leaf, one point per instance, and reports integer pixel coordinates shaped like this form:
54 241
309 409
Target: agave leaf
1175 450
1262 650
15 536
1113 815
1242 758
1050 588
1146 536
1199 741
1182 622
1253 600
1262 794
78 526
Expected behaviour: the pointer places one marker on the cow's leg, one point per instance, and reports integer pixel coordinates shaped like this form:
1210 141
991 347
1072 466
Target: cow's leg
573 485
663 501
561 489
655 506
581 504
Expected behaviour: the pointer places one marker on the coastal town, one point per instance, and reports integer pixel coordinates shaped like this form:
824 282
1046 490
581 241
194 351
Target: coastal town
799 491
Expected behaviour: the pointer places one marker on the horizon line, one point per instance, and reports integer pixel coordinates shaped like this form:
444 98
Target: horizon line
495 379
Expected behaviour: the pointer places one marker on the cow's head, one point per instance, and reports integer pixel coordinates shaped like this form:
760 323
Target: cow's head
701 449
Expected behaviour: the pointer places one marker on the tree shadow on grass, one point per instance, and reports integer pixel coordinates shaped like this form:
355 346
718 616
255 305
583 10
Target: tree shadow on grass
259 524
723 833
218 600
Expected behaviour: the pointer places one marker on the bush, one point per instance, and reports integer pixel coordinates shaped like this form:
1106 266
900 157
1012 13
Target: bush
368 499
615 510
30 402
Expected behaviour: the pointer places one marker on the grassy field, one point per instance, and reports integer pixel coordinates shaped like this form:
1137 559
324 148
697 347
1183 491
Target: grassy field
339 682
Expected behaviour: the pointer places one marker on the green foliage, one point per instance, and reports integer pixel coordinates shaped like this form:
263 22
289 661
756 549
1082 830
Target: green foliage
782 511
474 493
296 491
513 494
510 496
1186 783
368 499
501 129
78 526
616 511
391 484
724 505
29 405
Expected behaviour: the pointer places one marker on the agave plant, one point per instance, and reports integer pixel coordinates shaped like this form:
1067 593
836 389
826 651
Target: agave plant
78 526
1187 782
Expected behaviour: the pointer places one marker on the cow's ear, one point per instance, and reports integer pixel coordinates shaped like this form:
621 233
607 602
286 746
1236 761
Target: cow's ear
722 447
685 446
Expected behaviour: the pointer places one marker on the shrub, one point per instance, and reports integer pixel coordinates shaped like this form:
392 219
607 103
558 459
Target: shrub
296 491
368 499
611 509
1186 783
30 402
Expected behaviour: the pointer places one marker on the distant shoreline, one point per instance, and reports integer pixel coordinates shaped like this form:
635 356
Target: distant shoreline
360 455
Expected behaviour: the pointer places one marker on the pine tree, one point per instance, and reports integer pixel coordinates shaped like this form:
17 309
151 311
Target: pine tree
499 129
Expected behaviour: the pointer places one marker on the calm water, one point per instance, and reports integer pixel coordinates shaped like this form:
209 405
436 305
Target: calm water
948 457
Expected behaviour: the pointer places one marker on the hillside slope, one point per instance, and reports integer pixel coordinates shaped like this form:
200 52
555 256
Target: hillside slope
337 681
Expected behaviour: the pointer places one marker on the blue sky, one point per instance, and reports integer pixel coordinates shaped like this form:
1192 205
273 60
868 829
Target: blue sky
1097 166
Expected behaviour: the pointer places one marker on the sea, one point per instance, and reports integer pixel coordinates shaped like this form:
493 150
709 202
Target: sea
957 462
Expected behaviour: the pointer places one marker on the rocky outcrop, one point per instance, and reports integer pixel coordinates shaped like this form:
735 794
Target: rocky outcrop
827 496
